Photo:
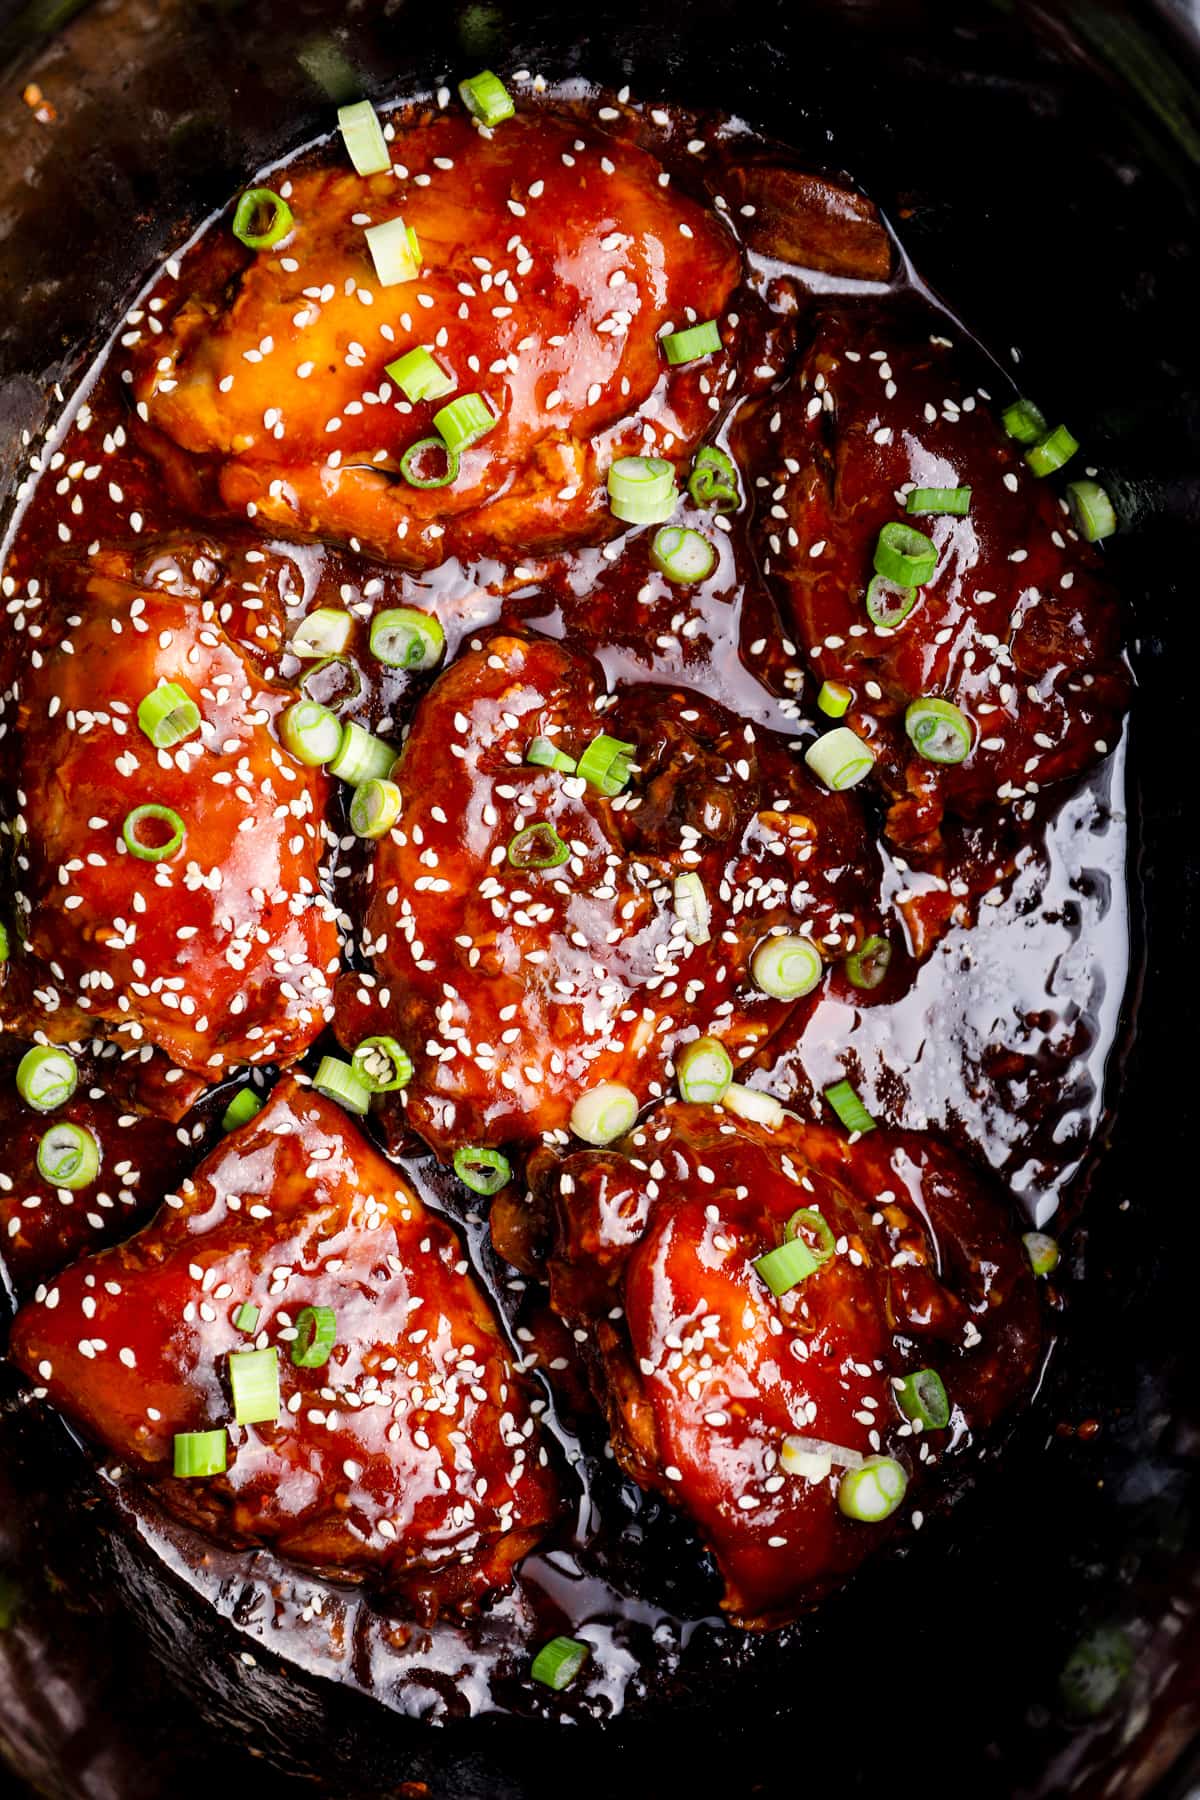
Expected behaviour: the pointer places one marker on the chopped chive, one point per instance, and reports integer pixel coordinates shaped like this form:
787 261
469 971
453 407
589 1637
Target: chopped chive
921 1397
463 421
714 480
955 501
137 842
246 1318
419 376
834 699
199 1453
1091 510
1024 421
1052 451
849 1108
889 603
538 847
168 715
787 1266
241 1109
692 343
339 1081
486 98
484 1171
361 757
382 1064
316 1334
605 763
363 137
544 754
254 1379
422 448
395 252
249 214
558 1663
807 1219
904 555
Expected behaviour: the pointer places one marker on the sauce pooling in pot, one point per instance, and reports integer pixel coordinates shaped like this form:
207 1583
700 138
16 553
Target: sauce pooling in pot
349 510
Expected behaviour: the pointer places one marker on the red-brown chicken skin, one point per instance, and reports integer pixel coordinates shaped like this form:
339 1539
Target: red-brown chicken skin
1017 627
515 990
552 257
410 1456
703 1372
219 954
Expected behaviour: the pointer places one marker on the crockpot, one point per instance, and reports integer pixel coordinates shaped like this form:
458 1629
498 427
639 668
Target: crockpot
1042 167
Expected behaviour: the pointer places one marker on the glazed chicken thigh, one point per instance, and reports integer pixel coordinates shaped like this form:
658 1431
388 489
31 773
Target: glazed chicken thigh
404 1450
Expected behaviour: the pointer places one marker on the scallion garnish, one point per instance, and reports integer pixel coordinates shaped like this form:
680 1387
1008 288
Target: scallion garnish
538 847
1052 451
682 555
46 1077
168 715
332 682
751 1103
374 807
1024 421
786 967
873 1492
690 344
558 1663
888 603
68 1156
1091 510
363 137
382 1065
486 98
834 699
605 763
323 632
693 906
249 213
545 754
419 376
840 758
849 1108
404 637
938 730
254 1380
641 490
922 1398
337 1080
395 251
246 1318
484 1171
704 1071
605 1112
867 966
714 480
199 1453
361 757
463 421
904 555
1042 1251
316 1334
415 453
134 831
806 1219
787 1266
956 501
311 732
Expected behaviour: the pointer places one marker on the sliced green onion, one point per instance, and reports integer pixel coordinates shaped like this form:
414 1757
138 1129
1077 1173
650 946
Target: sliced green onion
244 1106
254 1379
423 447
605 763
403 637
1095 1672
849 1108
463 421
641 490
135 841
956 501
922 1398
834 699
1042 1251
382 1065
692 343
1052 451
419 376
249 208
375 807
483 1171
807 1219
813 1458
3 943
787 968
937 730
337 1080
904 555
168 715
605 1112
873 1492
840 758
544 754
311 732
323 632
693 906
46 1077
714 480
316 1334
682 555
867 966
363 137
787 1266
199 1453
361 757
486 98
1091 510
332 682
246 1318
395 251
888 604
704 1071
751 1103
1024 421
538 847
558 1663
68 1157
